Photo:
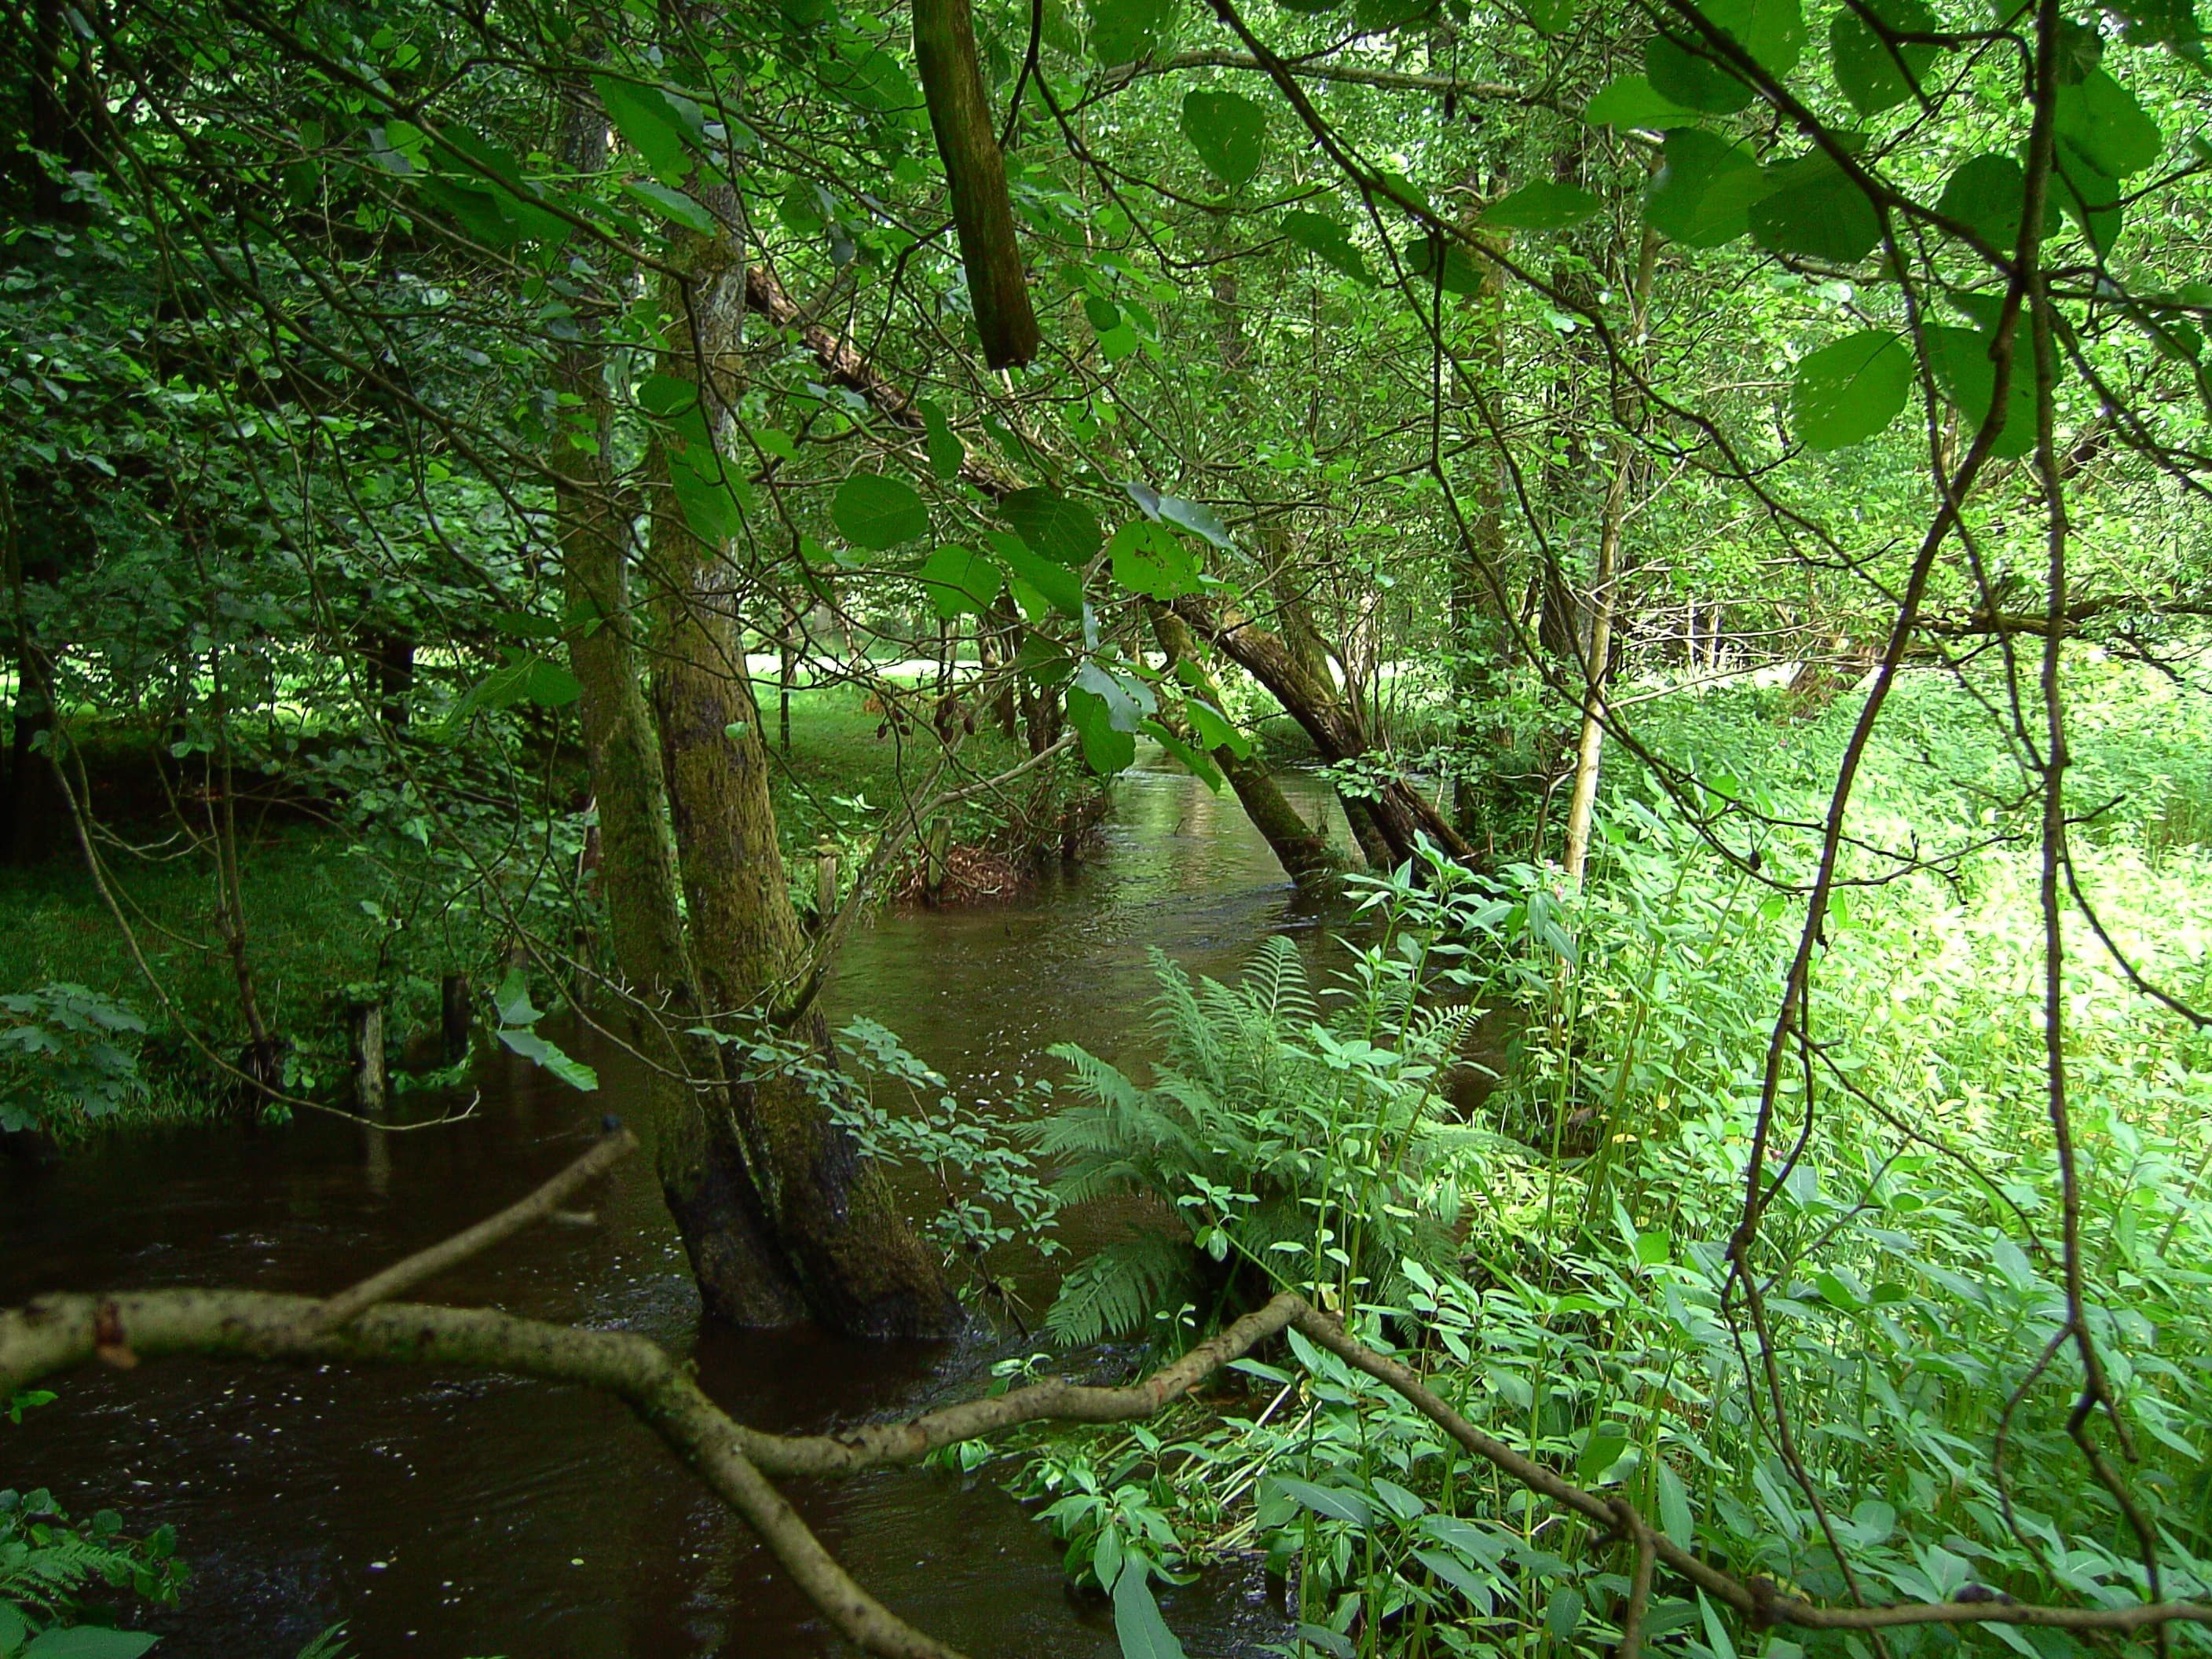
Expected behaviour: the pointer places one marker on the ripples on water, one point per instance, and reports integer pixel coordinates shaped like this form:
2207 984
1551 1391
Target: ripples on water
471 1514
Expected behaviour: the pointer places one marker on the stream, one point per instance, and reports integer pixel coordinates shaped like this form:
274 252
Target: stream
470 1514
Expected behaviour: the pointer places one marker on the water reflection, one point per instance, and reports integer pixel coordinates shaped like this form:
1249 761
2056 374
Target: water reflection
468 1515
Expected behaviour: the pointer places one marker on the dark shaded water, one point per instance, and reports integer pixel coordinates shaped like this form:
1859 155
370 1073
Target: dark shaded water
477 1515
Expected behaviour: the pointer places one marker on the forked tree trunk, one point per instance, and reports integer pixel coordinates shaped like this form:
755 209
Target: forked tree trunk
860 1265
701 1160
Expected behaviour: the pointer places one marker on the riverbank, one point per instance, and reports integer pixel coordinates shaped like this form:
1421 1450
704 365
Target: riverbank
337 906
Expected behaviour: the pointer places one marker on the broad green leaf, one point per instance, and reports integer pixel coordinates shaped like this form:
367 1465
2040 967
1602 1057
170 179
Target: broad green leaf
14 1632
2161 22
1459 274
1378 16
1213 730
1563 1613
535 1049
1329 241
1683 77
1060 587
1106 750
1228 132
666 396
477 210
2099 121
1772 31
649 125
672 204
1152 560
1189 758
1844 394
946 453
1198 518
1137 1622
1061 530
1872 72
871 78
2090 195
874 512
1123 31
961 581
1631 101
1332 1501
1959 358
89 1642
1550 17
1602 1447
1461 1576
1541 206
512 1000
1128 700
1815 211
1703 190
1987 193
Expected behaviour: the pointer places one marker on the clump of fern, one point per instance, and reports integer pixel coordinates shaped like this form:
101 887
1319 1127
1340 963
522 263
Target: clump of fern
1291 1148
45 1564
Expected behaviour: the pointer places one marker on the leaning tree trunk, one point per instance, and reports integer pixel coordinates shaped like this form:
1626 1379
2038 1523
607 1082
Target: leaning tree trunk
702 1169
1303 851
860 1265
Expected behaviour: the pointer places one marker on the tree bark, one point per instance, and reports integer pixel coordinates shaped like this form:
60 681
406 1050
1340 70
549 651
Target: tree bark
975 174
1302 850
859 1265
701 1160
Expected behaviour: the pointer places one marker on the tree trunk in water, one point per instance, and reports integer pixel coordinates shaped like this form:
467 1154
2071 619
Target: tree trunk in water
1401 813
701 1160
1303 851
860 1267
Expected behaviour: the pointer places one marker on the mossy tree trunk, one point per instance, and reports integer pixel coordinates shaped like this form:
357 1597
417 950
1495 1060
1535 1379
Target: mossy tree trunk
860 1265
703 1172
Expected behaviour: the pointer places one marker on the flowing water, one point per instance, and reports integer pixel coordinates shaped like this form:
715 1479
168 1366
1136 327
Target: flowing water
468 1515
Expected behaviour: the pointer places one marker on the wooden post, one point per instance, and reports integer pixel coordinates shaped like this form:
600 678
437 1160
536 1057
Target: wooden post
453 1016
825 881
365 1022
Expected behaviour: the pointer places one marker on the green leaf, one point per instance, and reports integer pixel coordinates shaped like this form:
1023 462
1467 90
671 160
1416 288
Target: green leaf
1229 131
1459 275
1685 77
1674 1517
14 1632
877 512
1332 1502
1631 101
1704 190
961 581
1815 211
1329 241
1679 66
89 1642
649 125
1213 729
2100 122
1137 1622
1128 700
535 1049
1189 758
1959 358
1152 560
1986 193
1106 750
871 78
1123 31
1844 394
1563 1613
1461 1577
1059 586
512 1000
672 204
1193 516
1061 530
1602 1447
2161 22
1541 206
947 455
2091 196
1871 71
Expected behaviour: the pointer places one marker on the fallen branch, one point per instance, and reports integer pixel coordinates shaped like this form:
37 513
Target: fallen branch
58 1332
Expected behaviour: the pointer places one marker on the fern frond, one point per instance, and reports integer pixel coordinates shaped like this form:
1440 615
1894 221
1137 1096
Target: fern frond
1116 1291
